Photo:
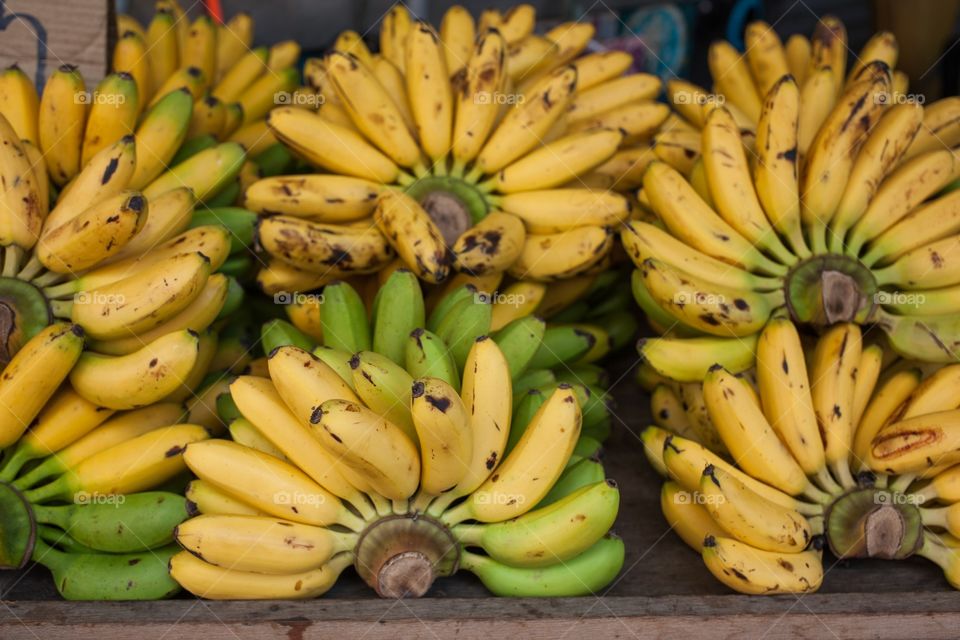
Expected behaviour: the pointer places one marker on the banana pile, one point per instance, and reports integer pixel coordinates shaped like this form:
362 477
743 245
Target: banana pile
401 461
465 150
855 224
834 444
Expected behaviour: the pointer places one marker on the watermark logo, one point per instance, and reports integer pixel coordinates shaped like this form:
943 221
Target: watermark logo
698 297
85 97
888 98
298 498
95 497
298 99
695 497
499 498
498 297
900 298
97 297
295 297
698 98
886 498
497 97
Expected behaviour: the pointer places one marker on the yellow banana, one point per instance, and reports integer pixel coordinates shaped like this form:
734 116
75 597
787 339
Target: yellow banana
279 277
491 245
562 255
443 429
162 48
241 75
927 223
208 499
765 55
61 122
266 92
518 300
283 55
394 31
114 106
828 48
941 127
169 216
754 571
611 94
429 90
557 210
324 248
732 77
351 42
19 103
200 48
21 215
234 38
917 444
884 403
323 198
457 33
818 98
596 68
798 57
834 362
690 520
414 235
130 55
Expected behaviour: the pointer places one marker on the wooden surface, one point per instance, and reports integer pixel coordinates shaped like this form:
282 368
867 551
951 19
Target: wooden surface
664 591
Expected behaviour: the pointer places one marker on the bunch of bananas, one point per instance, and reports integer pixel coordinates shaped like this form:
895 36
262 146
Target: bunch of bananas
103 540
340 460
837 443
454 152
855 225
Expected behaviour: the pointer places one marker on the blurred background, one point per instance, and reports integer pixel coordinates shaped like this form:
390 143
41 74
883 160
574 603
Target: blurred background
669 39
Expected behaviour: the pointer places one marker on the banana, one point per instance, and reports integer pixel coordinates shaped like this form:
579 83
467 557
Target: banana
927 223
558 162
689 519
585 574
385 388
533 466
394 33
637 121
130 56
208 117
206 173
324 248
278 277
283 54
624 170
267 484
750 518
105 576
377 450
596 68
162 48
200 47
941 127
414 235
798 57
757 572
867 375
61 121
202 407
765 55
560 255
932 396
190 78
429 89
643 240
427 355
932 265
834 364
901 192
556 210
170 214
398 310
140 378
818 98
483 75
678 148
337 360
19 103
570 38
704 430
457 34
127 467
668 412
828 48
344 318
66 418
528 57
113 114
263 94
350 41
832 152
393 82
551 534
525 125
884 403
732 76
234 37
443 429
945 487
120 428
880 153
745 431
241 75
916 444
612 93
518 300
302 379
26 386
491 245
677 203
468 320
321 198
926 338
259 544
242 431
776 172
689 359
785 393
141 522
21 213
710 308
881 46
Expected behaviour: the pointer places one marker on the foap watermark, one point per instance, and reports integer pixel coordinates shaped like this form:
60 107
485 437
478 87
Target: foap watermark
295 297
497 97
498 297
298 99
892 98
699 98
97 297
95 497
886 498
695 497
112 99
698 297
499 498
900 298
298 498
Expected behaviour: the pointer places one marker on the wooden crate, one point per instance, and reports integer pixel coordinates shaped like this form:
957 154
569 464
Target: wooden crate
663 592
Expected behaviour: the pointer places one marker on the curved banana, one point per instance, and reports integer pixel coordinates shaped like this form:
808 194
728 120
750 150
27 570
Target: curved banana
324 248
754 571
557 210
61 123
322 198
444 434
414 235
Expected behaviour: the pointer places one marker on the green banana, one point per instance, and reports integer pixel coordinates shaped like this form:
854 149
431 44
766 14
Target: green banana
586 373
344 318
447 303
226 159
338 360
235 297
576 312
528 406
578 475
621 327
599 429
238 221
585 574
923 338
109 576
688 359
125 524
427 355
611 302
532 379
59 539
275 160
192 147
519 341
279 333
586 447
551 534
227 408
384 387
226 196
562 344
467 320
397 310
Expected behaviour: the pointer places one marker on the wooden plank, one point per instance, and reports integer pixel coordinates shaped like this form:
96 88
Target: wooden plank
664 591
